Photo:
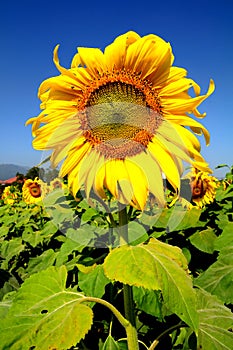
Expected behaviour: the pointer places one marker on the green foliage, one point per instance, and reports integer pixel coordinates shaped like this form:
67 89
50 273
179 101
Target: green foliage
45 315
92 280
179 263
216 322
218 278
156 266
110 344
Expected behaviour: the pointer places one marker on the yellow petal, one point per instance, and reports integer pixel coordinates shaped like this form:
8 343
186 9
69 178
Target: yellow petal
125 189
184 105
149 55
92 59
99 181
138 181
75 155
153 174
115 52
166 162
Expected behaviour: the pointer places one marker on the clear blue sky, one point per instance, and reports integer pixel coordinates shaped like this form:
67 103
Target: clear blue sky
200 32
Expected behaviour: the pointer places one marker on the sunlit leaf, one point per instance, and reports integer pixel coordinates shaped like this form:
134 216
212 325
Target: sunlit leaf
182 219
48 230
9 249
88 214
93 282
218 278
66 249
156 266
45 315
204 240
31 236
4 231
216 322
82 236
4 308
41 262
110 344
136 233
226 237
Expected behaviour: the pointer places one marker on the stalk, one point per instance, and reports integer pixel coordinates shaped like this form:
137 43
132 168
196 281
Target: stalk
131 332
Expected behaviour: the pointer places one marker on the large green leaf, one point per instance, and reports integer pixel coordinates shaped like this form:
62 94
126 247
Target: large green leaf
204 240
66 249
92 281
32 236
45 315
148 301
226 237
39 263
174 218
4 231
218 278
156 266
82 236
136 233
9 249
182 219
216 322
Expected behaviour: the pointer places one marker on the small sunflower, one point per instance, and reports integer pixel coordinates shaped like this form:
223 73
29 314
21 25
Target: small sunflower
119 118
9 196
203 187
56 183
33 191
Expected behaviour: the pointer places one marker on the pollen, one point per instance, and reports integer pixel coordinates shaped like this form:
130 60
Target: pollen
119 118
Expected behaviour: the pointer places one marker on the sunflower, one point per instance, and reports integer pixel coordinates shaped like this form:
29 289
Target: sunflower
56 183
119 120
203 187
9 196
33 191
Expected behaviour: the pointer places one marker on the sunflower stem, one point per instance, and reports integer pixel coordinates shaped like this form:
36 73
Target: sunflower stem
131 331
123 224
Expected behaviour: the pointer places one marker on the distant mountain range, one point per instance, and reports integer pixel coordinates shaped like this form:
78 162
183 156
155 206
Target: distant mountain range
10 170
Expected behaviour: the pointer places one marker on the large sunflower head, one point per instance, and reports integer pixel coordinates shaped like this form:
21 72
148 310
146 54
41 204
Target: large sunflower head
119 118
203 187
33 191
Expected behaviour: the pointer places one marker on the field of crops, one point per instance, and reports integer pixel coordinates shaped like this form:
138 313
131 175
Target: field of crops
65 273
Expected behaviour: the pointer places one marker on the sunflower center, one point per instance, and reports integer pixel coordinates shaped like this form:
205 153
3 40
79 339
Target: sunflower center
198 189
118 120
35 190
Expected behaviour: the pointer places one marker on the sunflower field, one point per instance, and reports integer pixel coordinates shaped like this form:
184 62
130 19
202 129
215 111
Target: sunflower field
62 288
122 250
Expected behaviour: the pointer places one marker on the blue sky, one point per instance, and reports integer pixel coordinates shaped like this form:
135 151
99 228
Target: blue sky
200 33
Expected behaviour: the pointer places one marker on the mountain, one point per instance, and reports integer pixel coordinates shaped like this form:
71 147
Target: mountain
10 170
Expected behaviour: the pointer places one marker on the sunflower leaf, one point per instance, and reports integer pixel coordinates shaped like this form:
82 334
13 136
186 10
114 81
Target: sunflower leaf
218 278
93 282
148 301
9 249
225 239
156 266
45 315
110 344
204 240
216 322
